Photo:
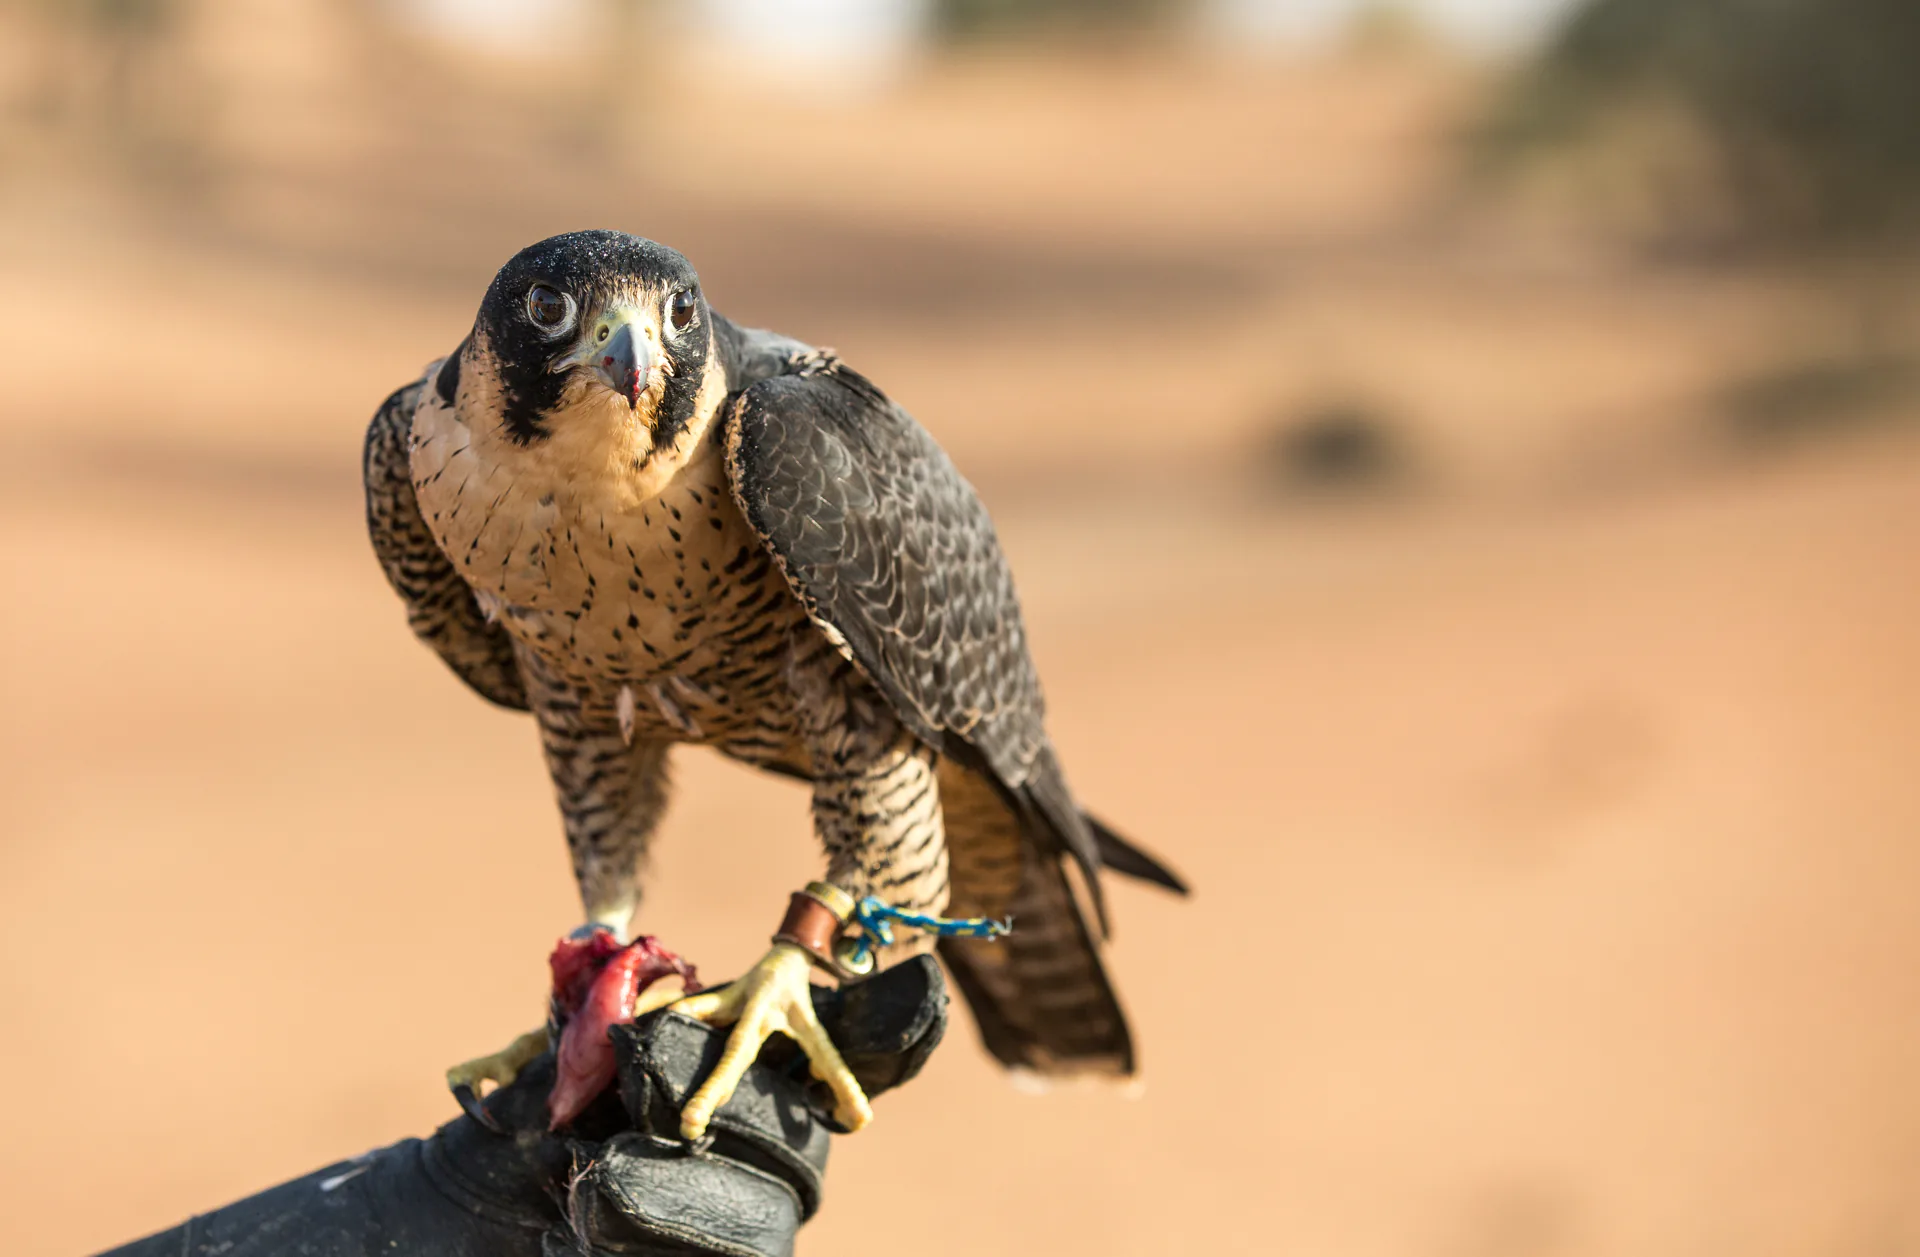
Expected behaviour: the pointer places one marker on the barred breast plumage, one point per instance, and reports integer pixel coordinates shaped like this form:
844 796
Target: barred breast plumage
671 598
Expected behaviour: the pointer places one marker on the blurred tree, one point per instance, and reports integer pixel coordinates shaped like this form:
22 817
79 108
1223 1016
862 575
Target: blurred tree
1782 127
1808 111
1387 28
112 79
131 33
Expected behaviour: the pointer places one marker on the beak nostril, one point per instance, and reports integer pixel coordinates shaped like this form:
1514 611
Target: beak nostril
622 362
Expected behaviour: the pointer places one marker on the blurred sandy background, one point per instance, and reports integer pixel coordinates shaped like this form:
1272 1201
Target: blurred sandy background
1502 606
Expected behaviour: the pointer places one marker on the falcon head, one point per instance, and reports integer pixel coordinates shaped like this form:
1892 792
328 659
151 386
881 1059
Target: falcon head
595 345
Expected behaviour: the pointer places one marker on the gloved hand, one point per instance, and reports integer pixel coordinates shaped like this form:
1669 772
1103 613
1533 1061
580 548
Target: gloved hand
618 1179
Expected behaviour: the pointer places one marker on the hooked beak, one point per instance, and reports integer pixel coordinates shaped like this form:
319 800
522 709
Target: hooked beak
622 361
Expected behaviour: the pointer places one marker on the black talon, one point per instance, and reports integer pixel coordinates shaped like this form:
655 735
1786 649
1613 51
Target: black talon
476 1108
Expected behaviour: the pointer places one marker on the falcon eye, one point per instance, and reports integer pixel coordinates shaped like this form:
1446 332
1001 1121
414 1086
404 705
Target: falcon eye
547 307
680 309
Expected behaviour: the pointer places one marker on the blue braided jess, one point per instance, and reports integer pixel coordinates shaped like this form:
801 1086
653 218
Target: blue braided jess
877 919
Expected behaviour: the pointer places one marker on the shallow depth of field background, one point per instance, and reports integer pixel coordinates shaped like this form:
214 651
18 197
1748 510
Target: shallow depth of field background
1489 574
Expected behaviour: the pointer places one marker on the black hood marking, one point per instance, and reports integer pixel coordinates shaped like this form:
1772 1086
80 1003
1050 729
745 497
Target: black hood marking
592 267
447 381
686 368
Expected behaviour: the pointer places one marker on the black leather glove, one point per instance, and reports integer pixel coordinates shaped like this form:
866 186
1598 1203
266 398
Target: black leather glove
619 1179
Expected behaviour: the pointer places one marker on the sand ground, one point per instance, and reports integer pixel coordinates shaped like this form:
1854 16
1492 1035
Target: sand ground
1553 817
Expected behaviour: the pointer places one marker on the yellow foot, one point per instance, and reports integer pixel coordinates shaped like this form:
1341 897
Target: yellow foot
500 1068
773 996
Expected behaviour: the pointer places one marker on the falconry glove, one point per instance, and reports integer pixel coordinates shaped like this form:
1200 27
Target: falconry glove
618 1180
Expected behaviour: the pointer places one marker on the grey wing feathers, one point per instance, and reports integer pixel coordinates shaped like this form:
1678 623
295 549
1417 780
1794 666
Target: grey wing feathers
1122 856
440 606
894 555
754 353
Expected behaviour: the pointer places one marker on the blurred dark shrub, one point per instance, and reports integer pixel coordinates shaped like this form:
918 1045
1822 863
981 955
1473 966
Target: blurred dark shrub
1803 400
1335 445
138 17
1808 110
969 18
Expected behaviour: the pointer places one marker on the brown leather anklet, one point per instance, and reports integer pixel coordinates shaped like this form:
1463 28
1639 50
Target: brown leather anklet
814 921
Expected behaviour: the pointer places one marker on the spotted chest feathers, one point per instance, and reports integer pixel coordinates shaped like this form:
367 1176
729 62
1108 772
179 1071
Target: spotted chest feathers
633 587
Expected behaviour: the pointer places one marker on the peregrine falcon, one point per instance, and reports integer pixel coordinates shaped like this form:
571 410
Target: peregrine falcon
615 509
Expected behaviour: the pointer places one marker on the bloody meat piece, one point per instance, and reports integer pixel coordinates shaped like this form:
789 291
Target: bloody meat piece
596 984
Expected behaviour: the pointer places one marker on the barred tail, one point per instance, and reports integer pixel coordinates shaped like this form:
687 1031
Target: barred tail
1041 996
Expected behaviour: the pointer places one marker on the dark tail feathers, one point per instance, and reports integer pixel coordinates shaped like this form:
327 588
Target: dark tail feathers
1040 996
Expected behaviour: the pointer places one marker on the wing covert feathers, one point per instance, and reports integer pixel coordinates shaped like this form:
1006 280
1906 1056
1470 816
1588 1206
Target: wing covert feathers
896 560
